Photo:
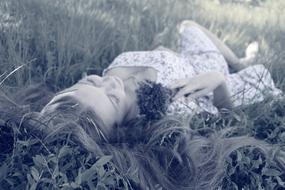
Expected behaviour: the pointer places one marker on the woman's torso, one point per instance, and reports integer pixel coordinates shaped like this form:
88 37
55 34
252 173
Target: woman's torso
196 55
164 67
167 66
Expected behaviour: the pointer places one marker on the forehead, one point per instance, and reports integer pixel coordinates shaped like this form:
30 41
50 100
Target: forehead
96 100
87 91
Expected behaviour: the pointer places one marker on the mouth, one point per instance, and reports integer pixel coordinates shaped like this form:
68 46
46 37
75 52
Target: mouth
119 82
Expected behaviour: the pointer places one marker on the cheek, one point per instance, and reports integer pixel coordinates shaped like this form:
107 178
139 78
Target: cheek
109 113
125 104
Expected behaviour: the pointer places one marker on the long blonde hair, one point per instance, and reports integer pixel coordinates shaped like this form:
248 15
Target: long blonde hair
165 153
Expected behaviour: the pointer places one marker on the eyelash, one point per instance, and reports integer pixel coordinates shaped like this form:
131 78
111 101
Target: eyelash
114 97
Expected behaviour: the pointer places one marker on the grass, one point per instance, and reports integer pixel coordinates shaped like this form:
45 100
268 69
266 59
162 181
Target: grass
55 41
64 41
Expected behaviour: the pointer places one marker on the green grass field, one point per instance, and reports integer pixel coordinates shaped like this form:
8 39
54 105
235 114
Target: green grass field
65 38
56 41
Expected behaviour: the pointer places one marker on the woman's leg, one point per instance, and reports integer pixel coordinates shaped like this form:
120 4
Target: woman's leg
232 60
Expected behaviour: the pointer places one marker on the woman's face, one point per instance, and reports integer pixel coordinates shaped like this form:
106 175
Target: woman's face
105 96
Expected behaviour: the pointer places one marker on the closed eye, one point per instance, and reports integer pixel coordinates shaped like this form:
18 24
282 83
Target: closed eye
114 99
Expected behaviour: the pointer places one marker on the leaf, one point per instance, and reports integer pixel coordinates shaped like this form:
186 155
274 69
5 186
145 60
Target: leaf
282 137
24 143
280 181
110 180
69 186
65 150
55 172
52 158
35 173
271 172
88 174
101 172
3 171
74 185
39 161
47 181
101 186
246 160
17 174
34 186
103 160
89 157
28 142
257 163
91 185
78 178
67 166
30 179
239 156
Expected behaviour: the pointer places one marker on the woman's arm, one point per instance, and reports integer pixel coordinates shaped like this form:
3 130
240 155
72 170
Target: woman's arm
222 97
202 85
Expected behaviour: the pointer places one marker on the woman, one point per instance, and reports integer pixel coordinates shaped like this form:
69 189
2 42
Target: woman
200 68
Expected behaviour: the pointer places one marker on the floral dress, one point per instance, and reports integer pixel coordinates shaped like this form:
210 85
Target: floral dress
197 54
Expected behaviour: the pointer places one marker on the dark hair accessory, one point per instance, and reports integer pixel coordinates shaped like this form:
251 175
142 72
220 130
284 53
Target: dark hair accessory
153 99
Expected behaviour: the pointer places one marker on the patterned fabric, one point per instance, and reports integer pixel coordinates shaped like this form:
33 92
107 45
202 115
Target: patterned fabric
197 55
251 85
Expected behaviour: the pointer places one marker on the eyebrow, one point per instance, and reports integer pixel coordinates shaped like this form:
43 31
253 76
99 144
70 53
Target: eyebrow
65 91
95 82
64 100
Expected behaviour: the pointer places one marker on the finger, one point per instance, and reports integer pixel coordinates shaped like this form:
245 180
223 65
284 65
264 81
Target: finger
178 95
200 93
179 83
187 90
184 91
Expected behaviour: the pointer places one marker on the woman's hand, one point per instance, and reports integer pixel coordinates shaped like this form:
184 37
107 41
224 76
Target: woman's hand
197 86
202 85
